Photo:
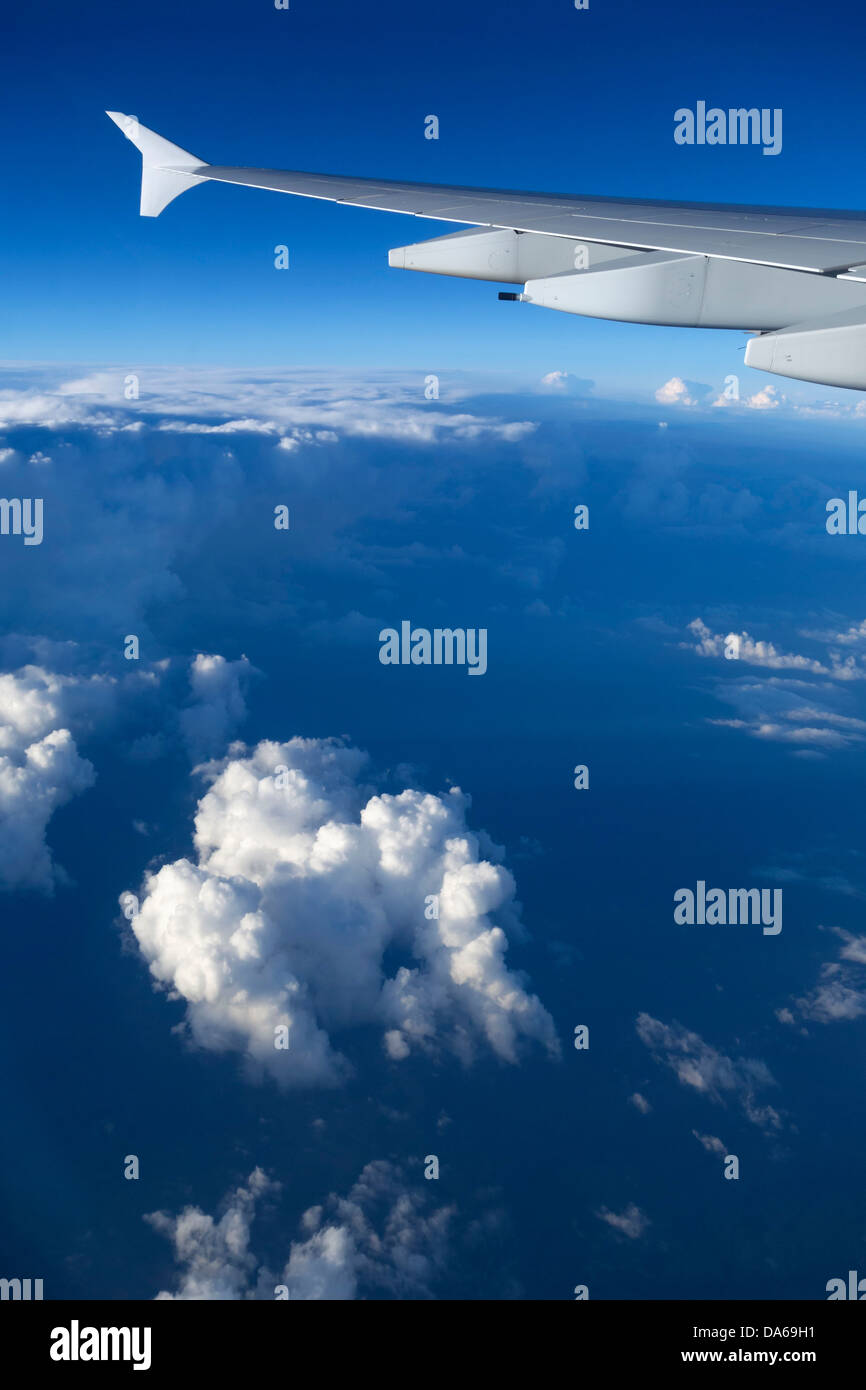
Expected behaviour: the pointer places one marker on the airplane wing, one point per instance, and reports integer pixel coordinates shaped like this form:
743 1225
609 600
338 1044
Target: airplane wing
796 239
691 264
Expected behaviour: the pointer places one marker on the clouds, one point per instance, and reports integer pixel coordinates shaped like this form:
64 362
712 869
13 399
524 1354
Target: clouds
40 767
33 783
735 397
34 700
740 646
711 1143
775 711
45 714
218 706
160 508
304 880
214 1255
631 1222
851 636
702 1068
834 999
805 707
562 383
840 994
692 394
768 398
295 406
678 392
381 1239
695 395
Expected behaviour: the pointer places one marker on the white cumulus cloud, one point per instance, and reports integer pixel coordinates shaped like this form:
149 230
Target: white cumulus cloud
303 881
40 767
676 392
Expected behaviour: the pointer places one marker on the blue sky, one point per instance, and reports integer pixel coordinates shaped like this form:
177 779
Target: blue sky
147 1032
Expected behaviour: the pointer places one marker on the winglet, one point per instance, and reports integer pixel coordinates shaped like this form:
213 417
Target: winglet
166 169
